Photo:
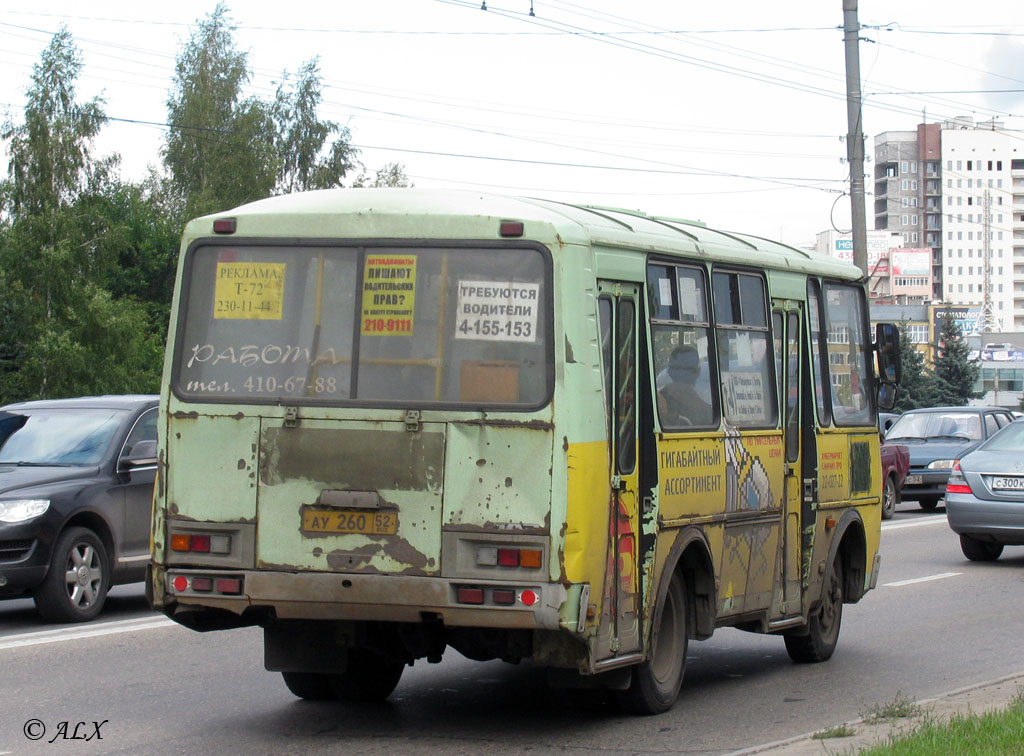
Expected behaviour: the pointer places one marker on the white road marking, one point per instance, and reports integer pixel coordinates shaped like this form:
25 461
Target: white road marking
931 520
75 633
923 579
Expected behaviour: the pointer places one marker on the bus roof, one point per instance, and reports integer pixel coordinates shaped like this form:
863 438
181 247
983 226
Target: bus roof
400 213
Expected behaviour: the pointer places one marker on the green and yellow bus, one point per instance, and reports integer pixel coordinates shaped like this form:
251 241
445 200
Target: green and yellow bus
394 421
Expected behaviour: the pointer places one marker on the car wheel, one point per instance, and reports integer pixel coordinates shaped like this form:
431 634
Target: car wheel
928 503
889 497
980 551
817 640
309 685
369 677
76 583
654 684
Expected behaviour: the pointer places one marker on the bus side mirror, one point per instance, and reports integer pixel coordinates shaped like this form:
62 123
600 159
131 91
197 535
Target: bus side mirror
887 352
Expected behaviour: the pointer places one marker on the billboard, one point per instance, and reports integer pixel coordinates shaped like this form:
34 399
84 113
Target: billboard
967 317
911 271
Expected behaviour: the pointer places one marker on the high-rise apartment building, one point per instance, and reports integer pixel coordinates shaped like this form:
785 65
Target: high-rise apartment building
957 188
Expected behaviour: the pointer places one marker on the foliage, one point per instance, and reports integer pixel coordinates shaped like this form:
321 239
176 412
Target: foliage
301 137
914 389
900 707
391 175
219 150
996 733
64 330
953 375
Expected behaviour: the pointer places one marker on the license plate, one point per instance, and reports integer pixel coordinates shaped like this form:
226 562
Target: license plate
341 522
912 479
1008 484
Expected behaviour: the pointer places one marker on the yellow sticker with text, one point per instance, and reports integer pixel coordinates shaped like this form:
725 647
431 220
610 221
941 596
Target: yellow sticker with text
389 295
249 291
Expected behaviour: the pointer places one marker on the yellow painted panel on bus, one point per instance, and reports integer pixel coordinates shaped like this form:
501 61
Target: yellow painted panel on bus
389 295
692 476
249 291
833 467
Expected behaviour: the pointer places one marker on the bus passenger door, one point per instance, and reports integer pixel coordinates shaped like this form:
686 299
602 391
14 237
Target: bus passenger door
620 625
791 429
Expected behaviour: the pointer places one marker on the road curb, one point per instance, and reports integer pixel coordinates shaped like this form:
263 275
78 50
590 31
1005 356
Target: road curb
977 699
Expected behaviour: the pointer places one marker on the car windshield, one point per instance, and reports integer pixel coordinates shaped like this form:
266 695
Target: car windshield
58 436
1010 438
938 425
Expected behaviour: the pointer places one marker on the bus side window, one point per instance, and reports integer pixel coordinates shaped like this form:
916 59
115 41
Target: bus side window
680 334
749 396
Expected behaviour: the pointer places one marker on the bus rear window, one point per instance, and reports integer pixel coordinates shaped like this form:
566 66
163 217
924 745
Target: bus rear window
377 325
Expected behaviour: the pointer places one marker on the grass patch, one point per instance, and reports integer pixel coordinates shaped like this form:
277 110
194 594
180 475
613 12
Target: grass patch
839 731
999 733
899 707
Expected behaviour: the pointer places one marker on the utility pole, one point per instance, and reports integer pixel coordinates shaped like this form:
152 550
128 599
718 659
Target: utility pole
855 136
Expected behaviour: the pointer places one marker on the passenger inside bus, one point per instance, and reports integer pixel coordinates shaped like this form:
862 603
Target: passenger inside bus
679 402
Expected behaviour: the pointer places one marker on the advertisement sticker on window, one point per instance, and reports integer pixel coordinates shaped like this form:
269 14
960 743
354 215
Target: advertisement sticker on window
249 290
389 295
497 311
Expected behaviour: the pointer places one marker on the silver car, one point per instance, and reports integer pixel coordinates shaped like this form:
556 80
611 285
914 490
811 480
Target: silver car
985 495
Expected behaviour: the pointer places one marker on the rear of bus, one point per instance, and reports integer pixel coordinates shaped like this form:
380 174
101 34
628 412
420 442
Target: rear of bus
357 435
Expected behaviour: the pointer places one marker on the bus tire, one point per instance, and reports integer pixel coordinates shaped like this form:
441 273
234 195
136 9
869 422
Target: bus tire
369 677
928 503
310 686
817 640
654 684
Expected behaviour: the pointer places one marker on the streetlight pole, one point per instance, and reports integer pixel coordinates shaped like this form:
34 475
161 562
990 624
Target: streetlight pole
855 136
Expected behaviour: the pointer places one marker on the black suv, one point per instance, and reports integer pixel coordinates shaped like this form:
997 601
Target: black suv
76 492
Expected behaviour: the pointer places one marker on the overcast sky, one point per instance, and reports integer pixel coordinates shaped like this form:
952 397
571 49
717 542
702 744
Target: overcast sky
729 113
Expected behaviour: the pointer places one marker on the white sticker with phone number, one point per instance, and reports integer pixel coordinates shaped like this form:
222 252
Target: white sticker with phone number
497 311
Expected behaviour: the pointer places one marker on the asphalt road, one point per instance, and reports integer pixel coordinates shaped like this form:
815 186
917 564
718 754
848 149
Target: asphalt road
935 623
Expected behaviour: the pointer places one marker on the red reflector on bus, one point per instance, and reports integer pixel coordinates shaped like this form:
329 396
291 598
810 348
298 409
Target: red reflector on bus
201 543
511 228
471 595
202 584
229 585
508 557
528 597
180 583
503 597
224 226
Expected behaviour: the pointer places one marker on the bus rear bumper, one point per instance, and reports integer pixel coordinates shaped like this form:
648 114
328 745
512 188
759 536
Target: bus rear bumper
371 597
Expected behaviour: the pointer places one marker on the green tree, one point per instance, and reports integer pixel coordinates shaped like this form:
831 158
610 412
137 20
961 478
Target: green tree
301 137
223 150
64 333
953 375
914 389
392 174
220 147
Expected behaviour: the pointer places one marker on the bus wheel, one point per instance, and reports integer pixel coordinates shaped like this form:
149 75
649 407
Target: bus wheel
928 503
817 641
309 685
655 684
369 677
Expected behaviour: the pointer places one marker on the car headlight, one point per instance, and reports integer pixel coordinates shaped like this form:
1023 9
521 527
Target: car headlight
941 464
20 510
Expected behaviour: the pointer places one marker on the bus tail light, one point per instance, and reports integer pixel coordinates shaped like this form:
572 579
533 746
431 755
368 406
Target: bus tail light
957 483
509 556
225 586
200 543
478 595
